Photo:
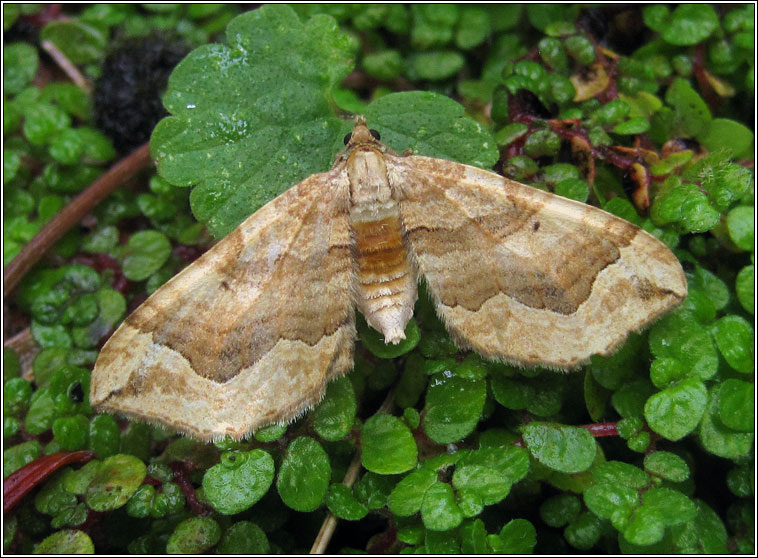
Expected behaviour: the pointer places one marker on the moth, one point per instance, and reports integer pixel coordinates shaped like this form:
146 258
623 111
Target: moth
251 333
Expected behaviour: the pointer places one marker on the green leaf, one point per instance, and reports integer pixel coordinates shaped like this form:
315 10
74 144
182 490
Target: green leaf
97 147
244 537
439 543
646 526
745 287
73 99
680 337
518 536
342 503
511 461
117 479
17 394
66 542
676 411
673 506
333 418
408 495
384 65
573 188
287 70
270 433
239 481
718 438
439 512
710 536
145 253
473 537
490 485
562 448
412 382
620 473
436 65
20 63
741 226
194 536
735 339
609 500
387 445
44 122
19 455
41 413
112 307
374 490
690 24
714 287
76 481
71 433
473 28
141 502
667 465
655 16
737 405
433 125
304 475
741 481
632 126
67 147
728 134
692 113
585 532
559 510
511 393
453 407
81 42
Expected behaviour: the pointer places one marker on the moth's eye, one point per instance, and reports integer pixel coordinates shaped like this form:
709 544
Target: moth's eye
375 134
347 138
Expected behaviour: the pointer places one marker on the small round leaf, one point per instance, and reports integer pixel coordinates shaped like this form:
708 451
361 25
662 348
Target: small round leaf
146 252
193 536
342 503
676 411
66 542
387 445
304 475
244 537
439 512
563 448
239 481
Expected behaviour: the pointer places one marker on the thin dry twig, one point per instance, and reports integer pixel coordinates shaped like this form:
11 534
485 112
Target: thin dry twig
72 214
330 523
67 66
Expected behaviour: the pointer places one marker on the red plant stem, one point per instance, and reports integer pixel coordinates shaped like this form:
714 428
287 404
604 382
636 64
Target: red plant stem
180 477
20 483
72 214
601 429
597 430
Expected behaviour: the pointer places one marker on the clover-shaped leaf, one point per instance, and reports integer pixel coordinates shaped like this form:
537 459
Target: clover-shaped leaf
254 117
265 92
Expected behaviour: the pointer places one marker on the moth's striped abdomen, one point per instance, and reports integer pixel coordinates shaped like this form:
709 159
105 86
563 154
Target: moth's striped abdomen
386 279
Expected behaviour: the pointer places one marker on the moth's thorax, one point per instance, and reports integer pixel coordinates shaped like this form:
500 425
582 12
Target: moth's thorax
386 277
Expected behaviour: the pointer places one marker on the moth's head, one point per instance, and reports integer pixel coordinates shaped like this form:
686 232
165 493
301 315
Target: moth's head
361 135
